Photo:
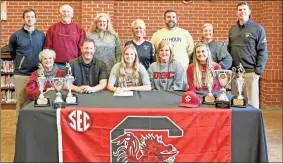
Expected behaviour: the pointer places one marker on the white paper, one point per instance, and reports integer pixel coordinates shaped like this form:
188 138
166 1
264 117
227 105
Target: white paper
124 93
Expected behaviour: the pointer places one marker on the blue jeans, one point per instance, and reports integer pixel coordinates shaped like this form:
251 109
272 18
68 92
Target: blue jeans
61 66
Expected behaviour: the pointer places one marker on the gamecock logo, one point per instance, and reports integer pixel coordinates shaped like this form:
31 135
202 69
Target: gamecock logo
126 147
151 148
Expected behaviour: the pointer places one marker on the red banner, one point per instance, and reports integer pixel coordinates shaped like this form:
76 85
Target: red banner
144 135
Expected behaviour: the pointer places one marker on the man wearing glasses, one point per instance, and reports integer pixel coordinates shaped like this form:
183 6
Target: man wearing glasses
65 37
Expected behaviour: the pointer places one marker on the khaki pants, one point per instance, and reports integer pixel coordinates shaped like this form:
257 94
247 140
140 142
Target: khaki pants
251 88
20 88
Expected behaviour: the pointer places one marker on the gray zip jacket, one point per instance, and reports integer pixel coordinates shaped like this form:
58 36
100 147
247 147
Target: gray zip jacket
220 54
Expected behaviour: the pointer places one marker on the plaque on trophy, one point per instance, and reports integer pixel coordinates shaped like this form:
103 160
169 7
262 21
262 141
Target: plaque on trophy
240 100
58 83
209 98
71 99
224 77
41 101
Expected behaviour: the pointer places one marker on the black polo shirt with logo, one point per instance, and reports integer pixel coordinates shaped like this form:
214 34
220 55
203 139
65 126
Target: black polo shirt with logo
88 74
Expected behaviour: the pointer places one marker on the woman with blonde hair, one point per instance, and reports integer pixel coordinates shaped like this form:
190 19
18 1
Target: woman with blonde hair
108 46
167 73
197 71
219 53
145 49
129 74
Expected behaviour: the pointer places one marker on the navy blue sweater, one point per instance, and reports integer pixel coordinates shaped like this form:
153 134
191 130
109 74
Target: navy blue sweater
24 49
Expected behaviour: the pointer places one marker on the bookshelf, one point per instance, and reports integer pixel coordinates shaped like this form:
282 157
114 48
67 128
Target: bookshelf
8 96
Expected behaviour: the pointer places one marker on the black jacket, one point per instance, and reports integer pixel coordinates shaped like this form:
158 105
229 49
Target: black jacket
248 45
24 49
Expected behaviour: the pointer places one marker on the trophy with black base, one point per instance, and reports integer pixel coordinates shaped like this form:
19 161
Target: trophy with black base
224 77
41 101
240 100
71 99
58 83
209 98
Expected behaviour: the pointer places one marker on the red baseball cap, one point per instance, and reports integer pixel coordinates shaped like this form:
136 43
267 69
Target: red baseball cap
190 100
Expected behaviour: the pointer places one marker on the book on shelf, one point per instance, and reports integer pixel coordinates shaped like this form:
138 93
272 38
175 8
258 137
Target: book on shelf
8 97
7 81
7 66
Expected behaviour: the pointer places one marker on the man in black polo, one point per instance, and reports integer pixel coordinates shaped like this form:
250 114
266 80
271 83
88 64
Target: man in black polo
90 73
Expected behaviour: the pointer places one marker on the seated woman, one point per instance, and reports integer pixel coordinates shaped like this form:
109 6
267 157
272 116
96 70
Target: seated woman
167 74
129 74
46 58
197 71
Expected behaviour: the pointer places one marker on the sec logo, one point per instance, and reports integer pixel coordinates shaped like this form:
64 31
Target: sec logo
79 121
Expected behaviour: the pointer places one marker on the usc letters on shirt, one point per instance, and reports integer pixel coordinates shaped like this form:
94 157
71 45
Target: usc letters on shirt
167 77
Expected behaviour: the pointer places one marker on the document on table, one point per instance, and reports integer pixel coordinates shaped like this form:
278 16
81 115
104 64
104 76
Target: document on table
124 93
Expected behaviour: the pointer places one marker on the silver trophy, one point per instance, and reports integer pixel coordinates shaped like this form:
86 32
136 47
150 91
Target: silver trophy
70 99
240 100
41 81
210 77
58 83
224 78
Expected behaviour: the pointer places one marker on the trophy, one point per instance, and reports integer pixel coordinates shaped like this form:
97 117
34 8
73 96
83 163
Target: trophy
240 100
70 99
224 77
209 98
58 83
41 81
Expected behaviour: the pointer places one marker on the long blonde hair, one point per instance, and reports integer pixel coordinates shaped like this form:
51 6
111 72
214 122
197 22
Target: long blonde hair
122 73
93 26
197 66
162 44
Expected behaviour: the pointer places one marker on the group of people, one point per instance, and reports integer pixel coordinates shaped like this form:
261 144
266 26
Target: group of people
170 61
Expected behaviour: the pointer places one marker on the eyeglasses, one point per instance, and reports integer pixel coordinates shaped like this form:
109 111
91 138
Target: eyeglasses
69 33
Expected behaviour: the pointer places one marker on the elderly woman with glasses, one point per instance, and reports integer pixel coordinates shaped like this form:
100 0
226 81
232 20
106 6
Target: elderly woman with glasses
46 58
